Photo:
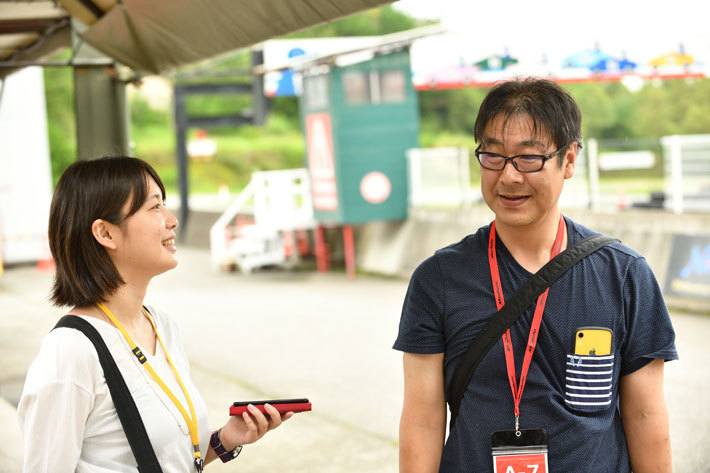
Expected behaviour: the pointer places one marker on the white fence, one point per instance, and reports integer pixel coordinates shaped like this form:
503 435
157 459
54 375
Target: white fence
259 224
687 171
448 177
25 171
440 177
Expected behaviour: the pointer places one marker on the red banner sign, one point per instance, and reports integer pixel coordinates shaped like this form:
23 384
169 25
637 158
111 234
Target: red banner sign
321 161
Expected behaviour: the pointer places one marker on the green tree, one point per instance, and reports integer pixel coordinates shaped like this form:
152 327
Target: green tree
691 101
143 115
452 111
596 107
673 107
609 110
378 21
59 95
655 117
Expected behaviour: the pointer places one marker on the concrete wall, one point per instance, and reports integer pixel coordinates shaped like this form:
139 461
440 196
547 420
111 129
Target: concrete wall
396 248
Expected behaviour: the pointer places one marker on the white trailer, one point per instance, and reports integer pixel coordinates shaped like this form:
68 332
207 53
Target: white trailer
25 172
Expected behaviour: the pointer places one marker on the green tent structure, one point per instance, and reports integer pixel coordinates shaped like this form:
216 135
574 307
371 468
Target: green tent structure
155 36
116 40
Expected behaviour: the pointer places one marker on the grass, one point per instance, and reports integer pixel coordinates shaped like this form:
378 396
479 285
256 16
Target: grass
630 185
239 154
245 150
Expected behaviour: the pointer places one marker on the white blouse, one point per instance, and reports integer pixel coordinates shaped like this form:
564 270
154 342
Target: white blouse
68 418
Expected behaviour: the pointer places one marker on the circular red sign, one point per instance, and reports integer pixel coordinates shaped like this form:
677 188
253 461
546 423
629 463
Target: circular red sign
375 187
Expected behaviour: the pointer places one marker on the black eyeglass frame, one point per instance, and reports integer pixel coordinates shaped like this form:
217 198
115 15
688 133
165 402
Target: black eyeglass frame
513 159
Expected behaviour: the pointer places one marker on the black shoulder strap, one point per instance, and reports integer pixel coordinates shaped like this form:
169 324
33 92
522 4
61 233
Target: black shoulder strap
511 312
125 405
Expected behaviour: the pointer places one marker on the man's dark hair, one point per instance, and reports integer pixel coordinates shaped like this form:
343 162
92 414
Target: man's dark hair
552 109
90 190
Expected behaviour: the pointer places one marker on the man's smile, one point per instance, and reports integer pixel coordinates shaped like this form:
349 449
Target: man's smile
513 199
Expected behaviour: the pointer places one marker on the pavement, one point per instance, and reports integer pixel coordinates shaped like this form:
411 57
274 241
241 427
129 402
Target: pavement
286 334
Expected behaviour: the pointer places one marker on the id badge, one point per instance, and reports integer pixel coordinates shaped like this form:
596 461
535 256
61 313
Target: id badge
526 453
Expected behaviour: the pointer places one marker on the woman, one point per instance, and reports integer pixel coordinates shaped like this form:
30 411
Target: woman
110 234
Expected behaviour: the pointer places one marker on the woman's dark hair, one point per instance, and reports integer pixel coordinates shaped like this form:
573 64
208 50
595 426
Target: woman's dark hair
90 190
552 109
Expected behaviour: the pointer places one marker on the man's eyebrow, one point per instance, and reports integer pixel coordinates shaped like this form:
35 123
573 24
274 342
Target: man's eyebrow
490 141
533 143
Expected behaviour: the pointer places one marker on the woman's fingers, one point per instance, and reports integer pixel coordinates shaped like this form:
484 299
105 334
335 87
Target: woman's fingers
261 421
258 424
251 425
274 416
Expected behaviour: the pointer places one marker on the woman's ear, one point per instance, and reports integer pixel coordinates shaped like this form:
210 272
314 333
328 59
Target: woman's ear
105 233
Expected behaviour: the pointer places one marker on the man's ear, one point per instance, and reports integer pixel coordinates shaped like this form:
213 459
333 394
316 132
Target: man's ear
105 233
570 160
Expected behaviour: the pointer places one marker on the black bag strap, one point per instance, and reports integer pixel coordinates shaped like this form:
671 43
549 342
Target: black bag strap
511 312
125 405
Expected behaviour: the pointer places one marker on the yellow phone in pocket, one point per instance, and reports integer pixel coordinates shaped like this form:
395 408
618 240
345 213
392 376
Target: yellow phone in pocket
594 341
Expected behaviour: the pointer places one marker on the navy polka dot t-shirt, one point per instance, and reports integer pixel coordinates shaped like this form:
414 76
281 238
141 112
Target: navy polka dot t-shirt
575 398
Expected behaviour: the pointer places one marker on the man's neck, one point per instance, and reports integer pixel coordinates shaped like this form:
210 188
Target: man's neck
531 245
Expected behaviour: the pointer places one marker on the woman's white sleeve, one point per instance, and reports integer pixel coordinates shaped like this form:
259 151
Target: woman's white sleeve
56 401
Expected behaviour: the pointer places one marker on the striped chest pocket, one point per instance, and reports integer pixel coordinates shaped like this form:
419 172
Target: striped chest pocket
589 382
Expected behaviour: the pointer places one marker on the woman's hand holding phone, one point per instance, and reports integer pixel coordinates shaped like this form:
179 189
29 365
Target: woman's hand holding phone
251 425
281 405
249 421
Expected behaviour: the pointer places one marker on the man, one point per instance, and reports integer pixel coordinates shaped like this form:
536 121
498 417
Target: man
529 134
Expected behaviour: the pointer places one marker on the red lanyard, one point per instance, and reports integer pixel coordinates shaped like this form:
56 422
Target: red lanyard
537 318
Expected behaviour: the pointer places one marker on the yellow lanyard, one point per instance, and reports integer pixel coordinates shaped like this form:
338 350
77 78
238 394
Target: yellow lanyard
192 419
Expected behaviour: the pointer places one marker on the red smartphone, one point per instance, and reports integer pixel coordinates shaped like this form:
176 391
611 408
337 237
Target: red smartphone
281 405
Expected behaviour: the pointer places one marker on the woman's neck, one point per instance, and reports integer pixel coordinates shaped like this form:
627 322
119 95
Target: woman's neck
126 305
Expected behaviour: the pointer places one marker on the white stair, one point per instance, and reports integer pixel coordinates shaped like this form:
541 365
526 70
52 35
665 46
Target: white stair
281 203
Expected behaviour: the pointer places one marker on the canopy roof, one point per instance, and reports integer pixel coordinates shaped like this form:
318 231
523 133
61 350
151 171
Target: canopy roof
158 35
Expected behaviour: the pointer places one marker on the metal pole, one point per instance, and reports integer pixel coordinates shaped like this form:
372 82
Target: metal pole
676 174
414 162
593 170
258 98
321 250
181 154
465 177
349 245
102 118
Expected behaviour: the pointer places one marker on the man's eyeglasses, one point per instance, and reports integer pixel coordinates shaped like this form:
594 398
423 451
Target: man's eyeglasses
521 162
